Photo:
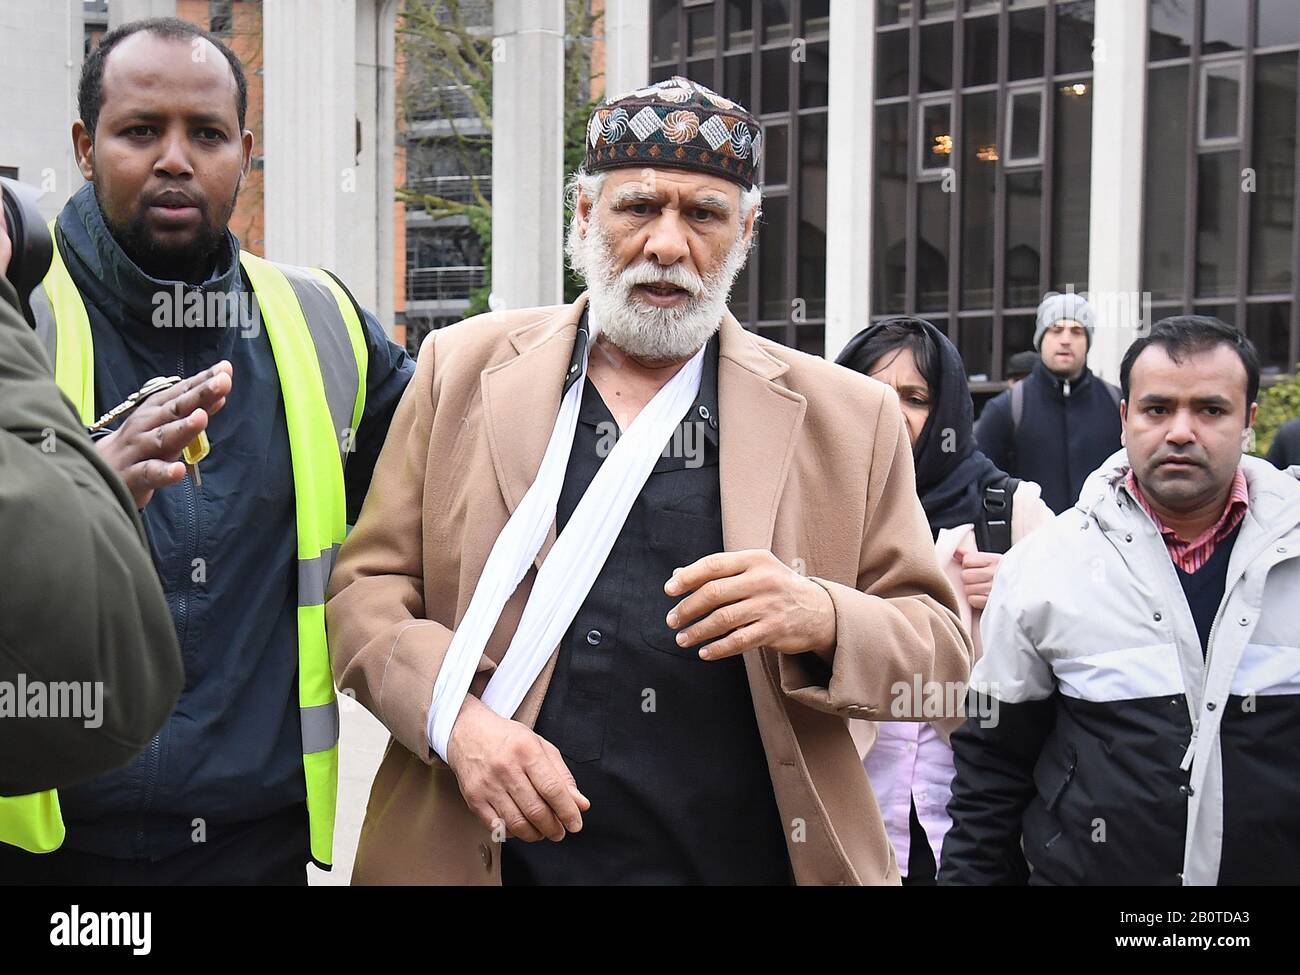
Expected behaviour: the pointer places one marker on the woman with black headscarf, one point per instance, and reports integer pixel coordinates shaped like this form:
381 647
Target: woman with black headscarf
975 512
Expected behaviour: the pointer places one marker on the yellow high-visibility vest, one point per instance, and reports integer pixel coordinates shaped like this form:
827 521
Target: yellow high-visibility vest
320 355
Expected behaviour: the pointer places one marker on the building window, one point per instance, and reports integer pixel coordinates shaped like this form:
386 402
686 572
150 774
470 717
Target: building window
1220 204
772 56
438 168
982 168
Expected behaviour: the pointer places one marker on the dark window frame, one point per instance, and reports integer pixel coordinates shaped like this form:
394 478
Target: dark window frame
998 314
808 334
1196 147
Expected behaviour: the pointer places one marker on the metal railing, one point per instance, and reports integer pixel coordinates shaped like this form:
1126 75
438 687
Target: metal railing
440 102
458 189
474 13
439 283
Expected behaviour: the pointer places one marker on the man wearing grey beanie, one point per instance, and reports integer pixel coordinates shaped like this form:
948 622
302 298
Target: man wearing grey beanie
1061 422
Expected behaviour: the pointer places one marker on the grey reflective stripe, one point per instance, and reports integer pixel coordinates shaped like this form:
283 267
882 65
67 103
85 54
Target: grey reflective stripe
45 326
329 333
320 727
314 576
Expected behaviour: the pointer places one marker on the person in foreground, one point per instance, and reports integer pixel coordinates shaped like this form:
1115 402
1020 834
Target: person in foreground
1143 651
292 386
722 557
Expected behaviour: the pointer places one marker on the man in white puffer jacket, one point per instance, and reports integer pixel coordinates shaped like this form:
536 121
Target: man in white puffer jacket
1143 653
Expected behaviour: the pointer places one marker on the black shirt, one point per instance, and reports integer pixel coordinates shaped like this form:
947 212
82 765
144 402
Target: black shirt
665 745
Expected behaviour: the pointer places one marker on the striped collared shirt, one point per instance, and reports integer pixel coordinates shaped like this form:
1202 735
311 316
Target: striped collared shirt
1190 556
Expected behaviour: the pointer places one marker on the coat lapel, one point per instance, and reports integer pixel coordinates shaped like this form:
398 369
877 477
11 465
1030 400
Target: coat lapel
758 426
521 398
759 422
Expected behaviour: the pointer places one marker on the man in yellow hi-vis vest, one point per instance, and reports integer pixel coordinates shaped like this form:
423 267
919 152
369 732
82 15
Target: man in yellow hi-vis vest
240 784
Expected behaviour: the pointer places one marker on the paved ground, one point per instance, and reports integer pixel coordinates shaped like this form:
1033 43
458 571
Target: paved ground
362 740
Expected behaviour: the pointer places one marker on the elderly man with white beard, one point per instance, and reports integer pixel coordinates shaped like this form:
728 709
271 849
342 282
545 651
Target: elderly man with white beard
637 664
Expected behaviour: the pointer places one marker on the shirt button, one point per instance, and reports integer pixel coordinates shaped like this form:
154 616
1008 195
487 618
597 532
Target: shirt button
1209 706
1187 790
593 637
1156 617
1244 621
704 413
1128 538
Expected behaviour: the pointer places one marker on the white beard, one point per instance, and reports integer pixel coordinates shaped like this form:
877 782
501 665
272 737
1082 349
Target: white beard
640 329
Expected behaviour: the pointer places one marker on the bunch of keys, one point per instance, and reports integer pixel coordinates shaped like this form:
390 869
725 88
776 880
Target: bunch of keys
194 451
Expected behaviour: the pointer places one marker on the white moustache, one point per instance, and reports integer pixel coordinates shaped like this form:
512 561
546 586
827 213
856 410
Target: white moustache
674 276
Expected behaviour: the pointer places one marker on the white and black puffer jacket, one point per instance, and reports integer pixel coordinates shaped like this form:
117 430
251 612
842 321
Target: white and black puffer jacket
1119 753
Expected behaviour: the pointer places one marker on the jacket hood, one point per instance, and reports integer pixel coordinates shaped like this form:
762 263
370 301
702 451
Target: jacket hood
951 472
1274 494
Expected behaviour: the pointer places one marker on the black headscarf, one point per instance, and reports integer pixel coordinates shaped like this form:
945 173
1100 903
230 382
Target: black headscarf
951 473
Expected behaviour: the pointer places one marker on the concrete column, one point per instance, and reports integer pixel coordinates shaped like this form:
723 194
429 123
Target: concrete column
849 153
1115 221
627 45
527 152
385 138
42 50
363 245
123 11
314 196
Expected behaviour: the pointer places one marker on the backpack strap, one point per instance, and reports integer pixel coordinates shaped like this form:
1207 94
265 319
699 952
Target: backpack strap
993 531
1017 397
1017 405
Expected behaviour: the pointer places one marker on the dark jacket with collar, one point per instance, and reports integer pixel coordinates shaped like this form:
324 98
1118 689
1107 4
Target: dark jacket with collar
231 750
1066 431
1285 450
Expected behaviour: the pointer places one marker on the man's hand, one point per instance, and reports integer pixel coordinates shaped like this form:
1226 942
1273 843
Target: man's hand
144 450
509 774
977 572
751 599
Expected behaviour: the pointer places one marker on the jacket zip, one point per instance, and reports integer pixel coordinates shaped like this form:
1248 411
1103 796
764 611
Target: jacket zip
182 614
1190 753
1186 763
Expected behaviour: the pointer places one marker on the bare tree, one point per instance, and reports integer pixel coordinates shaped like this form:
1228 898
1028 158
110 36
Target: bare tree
446 48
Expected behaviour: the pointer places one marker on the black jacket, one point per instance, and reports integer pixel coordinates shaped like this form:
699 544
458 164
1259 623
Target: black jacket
79 598
1066 431
231 751
1285 449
